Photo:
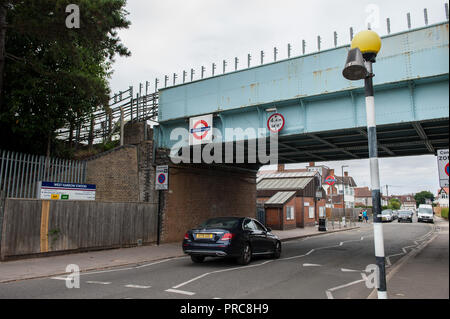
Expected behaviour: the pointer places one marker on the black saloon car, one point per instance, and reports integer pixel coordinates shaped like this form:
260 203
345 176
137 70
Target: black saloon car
234 237
405 216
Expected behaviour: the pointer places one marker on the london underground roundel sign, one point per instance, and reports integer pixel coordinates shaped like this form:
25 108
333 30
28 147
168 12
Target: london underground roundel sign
200 130
275 123
330 180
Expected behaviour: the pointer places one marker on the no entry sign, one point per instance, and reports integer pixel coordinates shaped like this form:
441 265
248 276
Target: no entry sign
330 180
275 123
162 177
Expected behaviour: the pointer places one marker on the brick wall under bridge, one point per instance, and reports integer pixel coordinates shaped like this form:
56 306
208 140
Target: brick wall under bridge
197 193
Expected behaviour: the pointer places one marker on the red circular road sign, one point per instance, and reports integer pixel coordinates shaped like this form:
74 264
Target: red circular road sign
447 169
275 123
161 178
330 180
200 127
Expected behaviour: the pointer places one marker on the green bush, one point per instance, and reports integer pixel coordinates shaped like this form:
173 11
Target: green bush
444 213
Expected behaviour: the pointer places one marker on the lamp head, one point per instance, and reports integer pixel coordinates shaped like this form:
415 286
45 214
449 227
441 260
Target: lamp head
368 42
355 68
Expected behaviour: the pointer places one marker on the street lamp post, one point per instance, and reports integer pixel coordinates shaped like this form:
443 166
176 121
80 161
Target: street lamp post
364 49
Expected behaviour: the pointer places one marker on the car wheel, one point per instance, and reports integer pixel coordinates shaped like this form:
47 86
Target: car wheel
198 259
246 255
277 251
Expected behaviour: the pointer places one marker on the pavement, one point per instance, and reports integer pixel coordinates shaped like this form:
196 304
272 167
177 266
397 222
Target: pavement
42 267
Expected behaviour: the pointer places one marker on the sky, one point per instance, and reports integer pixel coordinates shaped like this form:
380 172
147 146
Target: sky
169 36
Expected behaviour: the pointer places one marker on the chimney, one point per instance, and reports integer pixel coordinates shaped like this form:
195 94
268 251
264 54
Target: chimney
331 172
312 164
280 168
346 174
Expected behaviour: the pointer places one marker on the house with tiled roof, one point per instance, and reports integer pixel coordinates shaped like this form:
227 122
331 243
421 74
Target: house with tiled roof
363 196
290 198
442 197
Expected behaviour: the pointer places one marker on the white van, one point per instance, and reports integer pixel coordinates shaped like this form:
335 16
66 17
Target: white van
425 213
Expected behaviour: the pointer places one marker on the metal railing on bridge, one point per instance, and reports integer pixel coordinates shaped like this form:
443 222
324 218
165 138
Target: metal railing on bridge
20 173
104 124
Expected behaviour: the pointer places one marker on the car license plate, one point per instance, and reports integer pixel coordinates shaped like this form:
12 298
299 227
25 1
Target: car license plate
204 236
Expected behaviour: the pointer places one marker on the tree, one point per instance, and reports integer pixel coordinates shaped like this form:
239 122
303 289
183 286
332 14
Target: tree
55 76
421 198
394 204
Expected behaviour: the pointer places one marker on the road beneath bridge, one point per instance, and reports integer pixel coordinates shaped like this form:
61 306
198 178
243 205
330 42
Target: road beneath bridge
326 266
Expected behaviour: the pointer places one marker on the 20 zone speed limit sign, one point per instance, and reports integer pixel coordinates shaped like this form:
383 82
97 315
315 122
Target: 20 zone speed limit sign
442 156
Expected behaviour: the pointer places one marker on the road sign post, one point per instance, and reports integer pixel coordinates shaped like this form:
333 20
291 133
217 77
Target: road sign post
161 184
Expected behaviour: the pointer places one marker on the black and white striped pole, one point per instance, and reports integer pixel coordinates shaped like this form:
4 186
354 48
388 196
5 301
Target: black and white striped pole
364 49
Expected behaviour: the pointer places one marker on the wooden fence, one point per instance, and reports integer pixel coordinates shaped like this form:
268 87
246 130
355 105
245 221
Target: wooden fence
32 227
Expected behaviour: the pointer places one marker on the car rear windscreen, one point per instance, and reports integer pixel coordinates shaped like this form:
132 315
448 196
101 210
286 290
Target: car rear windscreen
222 223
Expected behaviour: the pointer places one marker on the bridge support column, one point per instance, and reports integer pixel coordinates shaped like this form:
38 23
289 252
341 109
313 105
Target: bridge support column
199 192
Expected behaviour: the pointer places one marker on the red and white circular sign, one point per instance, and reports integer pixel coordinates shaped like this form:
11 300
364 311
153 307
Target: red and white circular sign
330 180
200 130
275 123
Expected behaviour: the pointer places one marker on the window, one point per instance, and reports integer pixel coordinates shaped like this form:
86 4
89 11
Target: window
289 213
259 226
312 212
249 225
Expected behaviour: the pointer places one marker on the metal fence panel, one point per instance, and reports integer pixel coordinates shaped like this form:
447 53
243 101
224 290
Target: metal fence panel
20 173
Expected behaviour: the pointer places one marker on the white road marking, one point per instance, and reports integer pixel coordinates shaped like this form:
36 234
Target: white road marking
137 286
311 265
129 268
329 291
349 270
159 262
219 271
182 292
346 285
99 282
60 278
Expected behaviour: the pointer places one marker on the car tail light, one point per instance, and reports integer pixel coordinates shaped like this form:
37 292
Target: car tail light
186 236
227 236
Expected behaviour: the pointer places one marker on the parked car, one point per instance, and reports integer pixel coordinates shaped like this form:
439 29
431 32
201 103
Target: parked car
395 214
233 237
405 215
425 213
386 215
